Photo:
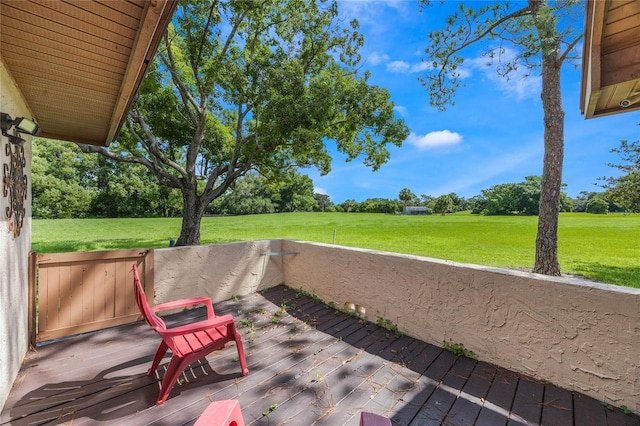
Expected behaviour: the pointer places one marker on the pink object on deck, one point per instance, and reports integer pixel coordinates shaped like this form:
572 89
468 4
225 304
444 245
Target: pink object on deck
188 343
221 413
370 419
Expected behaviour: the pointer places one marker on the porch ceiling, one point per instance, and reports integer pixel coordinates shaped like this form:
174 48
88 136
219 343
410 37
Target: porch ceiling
611 58
79 63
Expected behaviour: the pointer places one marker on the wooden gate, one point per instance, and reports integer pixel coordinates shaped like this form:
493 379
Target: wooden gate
85 291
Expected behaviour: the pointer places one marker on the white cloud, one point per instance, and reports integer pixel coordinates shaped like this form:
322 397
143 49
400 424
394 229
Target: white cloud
463 72
319 190
519 83
376 58
402 110
376 15
398 66
405 67
421 66
438 139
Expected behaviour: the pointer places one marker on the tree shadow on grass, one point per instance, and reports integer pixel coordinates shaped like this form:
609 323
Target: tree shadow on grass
105 244
628 276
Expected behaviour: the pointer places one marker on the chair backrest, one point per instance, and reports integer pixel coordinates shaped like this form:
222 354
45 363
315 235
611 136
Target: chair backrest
141 299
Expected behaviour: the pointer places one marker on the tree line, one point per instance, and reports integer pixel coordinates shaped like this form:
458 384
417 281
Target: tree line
67 183
70 184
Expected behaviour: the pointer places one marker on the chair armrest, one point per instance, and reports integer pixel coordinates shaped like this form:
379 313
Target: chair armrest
183 303
197 326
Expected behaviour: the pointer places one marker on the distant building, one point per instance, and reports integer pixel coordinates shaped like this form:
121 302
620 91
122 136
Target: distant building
416 210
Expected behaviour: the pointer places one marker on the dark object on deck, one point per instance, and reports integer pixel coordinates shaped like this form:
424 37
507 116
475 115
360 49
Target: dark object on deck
188 343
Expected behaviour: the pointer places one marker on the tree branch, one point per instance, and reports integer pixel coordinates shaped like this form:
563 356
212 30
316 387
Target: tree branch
205 31
570 48
92 149
152 145
518 13
188 100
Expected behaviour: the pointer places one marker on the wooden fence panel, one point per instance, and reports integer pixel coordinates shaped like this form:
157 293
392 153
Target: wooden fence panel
87 291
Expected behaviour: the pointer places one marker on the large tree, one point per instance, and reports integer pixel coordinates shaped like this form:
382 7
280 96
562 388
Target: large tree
295 194
544 35
407 197
244 84
512 198
443 204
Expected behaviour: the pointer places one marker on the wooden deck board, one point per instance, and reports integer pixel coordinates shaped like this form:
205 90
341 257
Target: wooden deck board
528 401
434 409
489 417
310 365
557 406
503 388
588 411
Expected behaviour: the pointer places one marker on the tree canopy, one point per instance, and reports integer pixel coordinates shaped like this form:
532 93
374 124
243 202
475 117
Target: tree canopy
624 190
407 197
521 198
70 184
245 85
61 187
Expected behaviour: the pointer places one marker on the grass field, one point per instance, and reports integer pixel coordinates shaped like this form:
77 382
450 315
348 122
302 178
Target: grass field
605 248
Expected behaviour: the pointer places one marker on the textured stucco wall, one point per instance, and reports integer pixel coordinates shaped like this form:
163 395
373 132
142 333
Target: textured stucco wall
14 337
218 271
576 334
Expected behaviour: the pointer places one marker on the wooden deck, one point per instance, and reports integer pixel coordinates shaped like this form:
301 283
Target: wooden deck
309 365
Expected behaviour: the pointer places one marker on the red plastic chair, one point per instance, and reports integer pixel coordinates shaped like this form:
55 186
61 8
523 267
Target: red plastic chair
188 343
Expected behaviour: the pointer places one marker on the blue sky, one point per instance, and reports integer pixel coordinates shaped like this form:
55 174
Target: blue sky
494 133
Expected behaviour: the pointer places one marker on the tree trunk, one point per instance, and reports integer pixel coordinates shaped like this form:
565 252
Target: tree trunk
547 238
191 218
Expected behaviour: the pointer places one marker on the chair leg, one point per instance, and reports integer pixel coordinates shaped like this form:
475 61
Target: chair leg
162 349
175 368
241 357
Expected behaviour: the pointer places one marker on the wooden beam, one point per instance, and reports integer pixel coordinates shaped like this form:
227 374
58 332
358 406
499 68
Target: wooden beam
154 21
591 71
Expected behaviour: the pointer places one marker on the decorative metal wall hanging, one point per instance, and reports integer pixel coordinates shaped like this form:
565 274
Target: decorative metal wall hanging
14 186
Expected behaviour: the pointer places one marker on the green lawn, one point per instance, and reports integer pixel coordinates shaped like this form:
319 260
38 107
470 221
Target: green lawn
603 247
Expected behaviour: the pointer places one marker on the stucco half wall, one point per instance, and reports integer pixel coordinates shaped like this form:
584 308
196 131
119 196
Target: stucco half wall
579 335
218 271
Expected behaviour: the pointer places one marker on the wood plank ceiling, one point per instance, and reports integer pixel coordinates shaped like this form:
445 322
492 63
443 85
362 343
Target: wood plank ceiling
79 63
611 58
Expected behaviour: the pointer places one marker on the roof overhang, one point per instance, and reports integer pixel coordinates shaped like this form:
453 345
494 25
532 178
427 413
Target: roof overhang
611 58
79 63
